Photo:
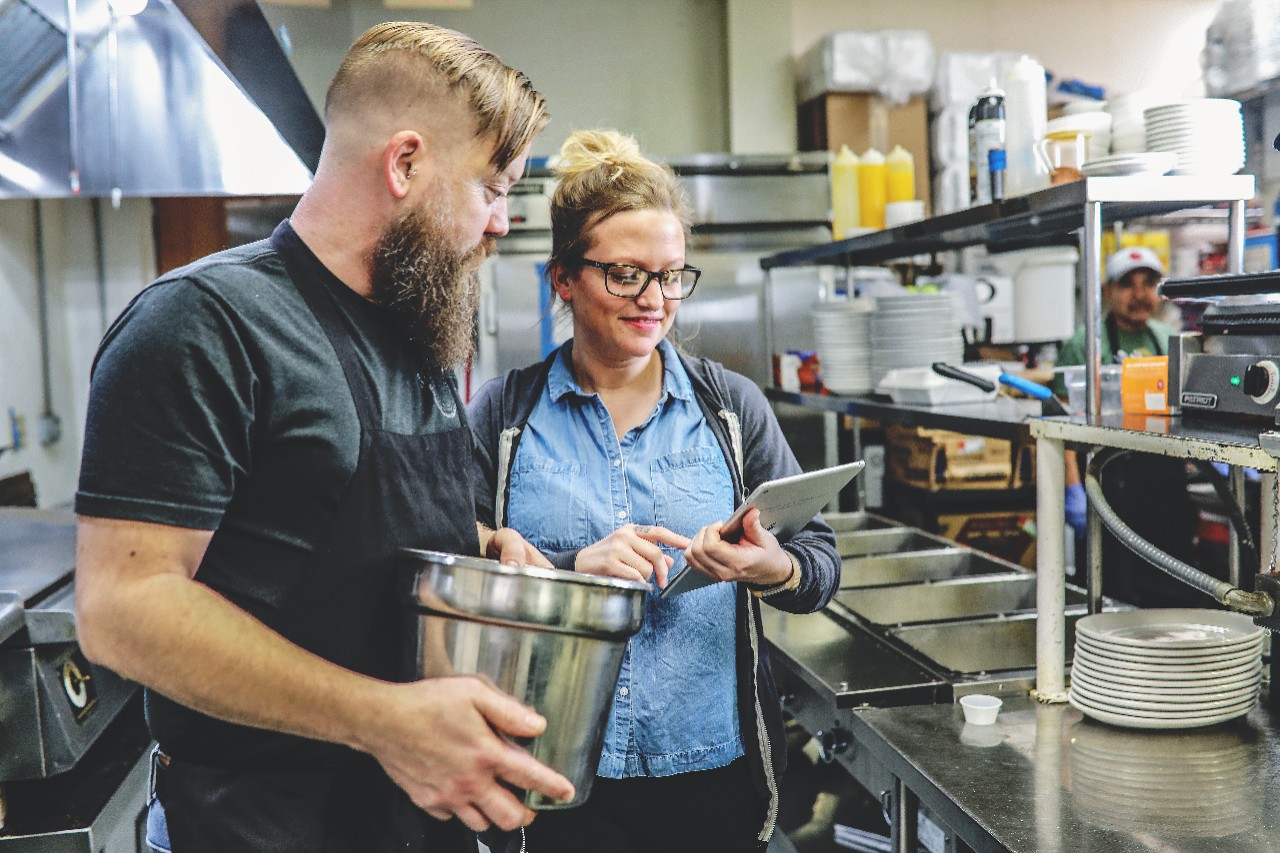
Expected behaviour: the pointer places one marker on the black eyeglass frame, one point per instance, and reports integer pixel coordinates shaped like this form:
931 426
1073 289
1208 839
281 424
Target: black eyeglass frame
650 275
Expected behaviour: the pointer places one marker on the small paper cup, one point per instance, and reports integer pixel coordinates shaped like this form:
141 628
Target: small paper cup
980 709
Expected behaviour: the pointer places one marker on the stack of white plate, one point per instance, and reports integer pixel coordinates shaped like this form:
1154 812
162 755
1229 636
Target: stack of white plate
1141 163
1166 668
1207 134
1128 124
842 334
914 330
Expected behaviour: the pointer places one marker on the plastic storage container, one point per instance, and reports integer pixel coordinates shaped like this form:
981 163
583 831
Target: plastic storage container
1026 112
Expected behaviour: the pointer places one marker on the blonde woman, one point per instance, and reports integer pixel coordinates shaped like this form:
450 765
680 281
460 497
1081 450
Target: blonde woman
621 456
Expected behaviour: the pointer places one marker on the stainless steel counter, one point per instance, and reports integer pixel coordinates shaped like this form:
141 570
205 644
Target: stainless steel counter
1044 779
1003 417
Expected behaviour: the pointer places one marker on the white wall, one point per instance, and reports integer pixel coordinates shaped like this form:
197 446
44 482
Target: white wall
655 69
74 328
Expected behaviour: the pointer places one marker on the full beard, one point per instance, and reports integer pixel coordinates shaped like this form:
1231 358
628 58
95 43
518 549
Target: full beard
432 287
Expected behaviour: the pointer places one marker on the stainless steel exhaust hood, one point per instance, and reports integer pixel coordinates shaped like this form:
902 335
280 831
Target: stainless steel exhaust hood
187 97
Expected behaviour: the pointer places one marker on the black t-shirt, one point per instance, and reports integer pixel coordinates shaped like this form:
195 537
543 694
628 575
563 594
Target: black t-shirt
220 364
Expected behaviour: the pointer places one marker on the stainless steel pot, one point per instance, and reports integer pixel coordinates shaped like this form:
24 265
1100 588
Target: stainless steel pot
552 639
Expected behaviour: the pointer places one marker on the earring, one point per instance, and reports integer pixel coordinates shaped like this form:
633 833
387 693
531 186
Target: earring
409 174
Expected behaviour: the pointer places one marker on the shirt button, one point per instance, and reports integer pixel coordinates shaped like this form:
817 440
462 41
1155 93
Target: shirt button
617 462
622 513
622 691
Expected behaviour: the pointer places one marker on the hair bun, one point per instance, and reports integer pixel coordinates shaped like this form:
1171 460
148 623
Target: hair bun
587 150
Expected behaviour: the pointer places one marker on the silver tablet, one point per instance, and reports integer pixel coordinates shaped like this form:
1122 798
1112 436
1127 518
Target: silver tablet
786 505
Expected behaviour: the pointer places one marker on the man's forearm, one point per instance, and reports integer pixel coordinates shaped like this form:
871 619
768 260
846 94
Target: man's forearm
177 636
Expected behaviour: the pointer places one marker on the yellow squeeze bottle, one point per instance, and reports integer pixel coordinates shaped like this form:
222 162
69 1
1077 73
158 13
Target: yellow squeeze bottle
844 193
901 171
872 189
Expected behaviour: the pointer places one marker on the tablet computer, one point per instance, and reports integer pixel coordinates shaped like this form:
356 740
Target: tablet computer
786 505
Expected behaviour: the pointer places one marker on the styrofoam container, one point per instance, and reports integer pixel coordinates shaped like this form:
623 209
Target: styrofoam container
922 387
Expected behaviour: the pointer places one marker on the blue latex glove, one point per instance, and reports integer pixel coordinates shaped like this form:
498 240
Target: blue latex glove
1076 508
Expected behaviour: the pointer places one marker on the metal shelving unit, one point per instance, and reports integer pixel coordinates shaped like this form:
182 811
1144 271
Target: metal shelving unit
1083 208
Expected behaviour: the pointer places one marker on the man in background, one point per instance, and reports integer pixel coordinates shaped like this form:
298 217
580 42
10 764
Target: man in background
1149 492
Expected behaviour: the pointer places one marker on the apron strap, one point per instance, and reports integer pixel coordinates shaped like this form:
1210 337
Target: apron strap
294 253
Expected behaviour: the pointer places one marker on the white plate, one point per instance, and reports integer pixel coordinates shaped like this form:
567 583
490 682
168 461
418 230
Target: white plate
1168 627
1158 706
1191 690
1131 722
1179 654
1127 675
1137 666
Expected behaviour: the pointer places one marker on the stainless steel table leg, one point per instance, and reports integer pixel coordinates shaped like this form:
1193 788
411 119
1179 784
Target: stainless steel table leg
906 807
1051 594
1233 540
1093 561
860 483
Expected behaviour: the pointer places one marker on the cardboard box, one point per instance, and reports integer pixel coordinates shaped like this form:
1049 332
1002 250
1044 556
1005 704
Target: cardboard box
936 460
1008 535
1144 385
863 120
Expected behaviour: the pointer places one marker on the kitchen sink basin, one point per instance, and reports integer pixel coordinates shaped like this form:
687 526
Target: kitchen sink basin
887 540
848 522
982 645
914 567
955 598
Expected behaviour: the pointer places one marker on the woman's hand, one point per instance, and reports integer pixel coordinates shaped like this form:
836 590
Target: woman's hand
755 558
631 552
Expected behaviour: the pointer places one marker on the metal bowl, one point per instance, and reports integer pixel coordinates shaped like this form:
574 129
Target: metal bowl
552 639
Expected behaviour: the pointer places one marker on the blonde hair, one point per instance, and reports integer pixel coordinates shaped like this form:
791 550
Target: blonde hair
602 172
388 58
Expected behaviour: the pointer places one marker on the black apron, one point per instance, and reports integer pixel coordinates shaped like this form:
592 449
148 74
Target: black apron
407 490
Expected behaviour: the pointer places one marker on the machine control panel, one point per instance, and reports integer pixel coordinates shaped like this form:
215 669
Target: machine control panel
1235 384
1261 381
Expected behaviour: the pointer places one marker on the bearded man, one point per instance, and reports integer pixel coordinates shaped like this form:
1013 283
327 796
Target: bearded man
267 427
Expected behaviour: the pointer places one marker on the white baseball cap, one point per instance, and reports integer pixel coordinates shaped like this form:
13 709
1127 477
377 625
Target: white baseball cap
1133 258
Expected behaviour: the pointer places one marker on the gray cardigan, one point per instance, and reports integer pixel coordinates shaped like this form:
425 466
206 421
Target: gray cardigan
755 451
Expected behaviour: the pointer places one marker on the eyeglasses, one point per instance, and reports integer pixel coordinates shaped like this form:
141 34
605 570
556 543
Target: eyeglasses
629 281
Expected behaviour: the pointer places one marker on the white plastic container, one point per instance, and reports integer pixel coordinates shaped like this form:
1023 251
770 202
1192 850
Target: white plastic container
980 709
1026 111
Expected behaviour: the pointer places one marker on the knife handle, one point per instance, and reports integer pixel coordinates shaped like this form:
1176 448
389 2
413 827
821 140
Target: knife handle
943 369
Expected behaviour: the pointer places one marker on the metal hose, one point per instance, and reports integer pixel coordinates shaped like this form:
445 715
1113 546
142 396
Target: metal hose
1252 603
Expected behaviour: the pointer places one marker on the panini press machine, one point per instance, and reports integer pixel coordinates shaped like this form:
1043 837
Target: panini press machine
1231 367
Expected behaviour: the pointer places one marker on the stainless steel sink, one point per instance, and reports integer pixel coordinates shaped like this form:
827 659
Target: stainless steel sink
982 645
847 522
887 540
914 567
955 598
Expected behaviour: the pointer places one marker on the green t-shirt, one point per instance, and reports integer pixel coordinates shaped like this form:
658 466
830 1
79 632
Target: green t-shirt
1133 343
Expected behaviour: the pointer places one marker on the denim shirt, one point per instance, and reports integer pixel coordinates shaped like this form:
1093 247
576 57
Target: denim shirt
675 706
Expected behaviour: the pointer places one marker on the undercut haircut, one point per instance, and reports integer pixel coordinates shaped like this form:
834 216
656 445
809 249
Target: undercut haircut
424 59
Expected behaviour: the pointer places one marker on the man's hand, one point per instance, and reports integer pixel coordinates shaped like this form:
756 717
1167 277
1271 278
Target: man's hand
439 740
754 558
631 552
508 546
1076 508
